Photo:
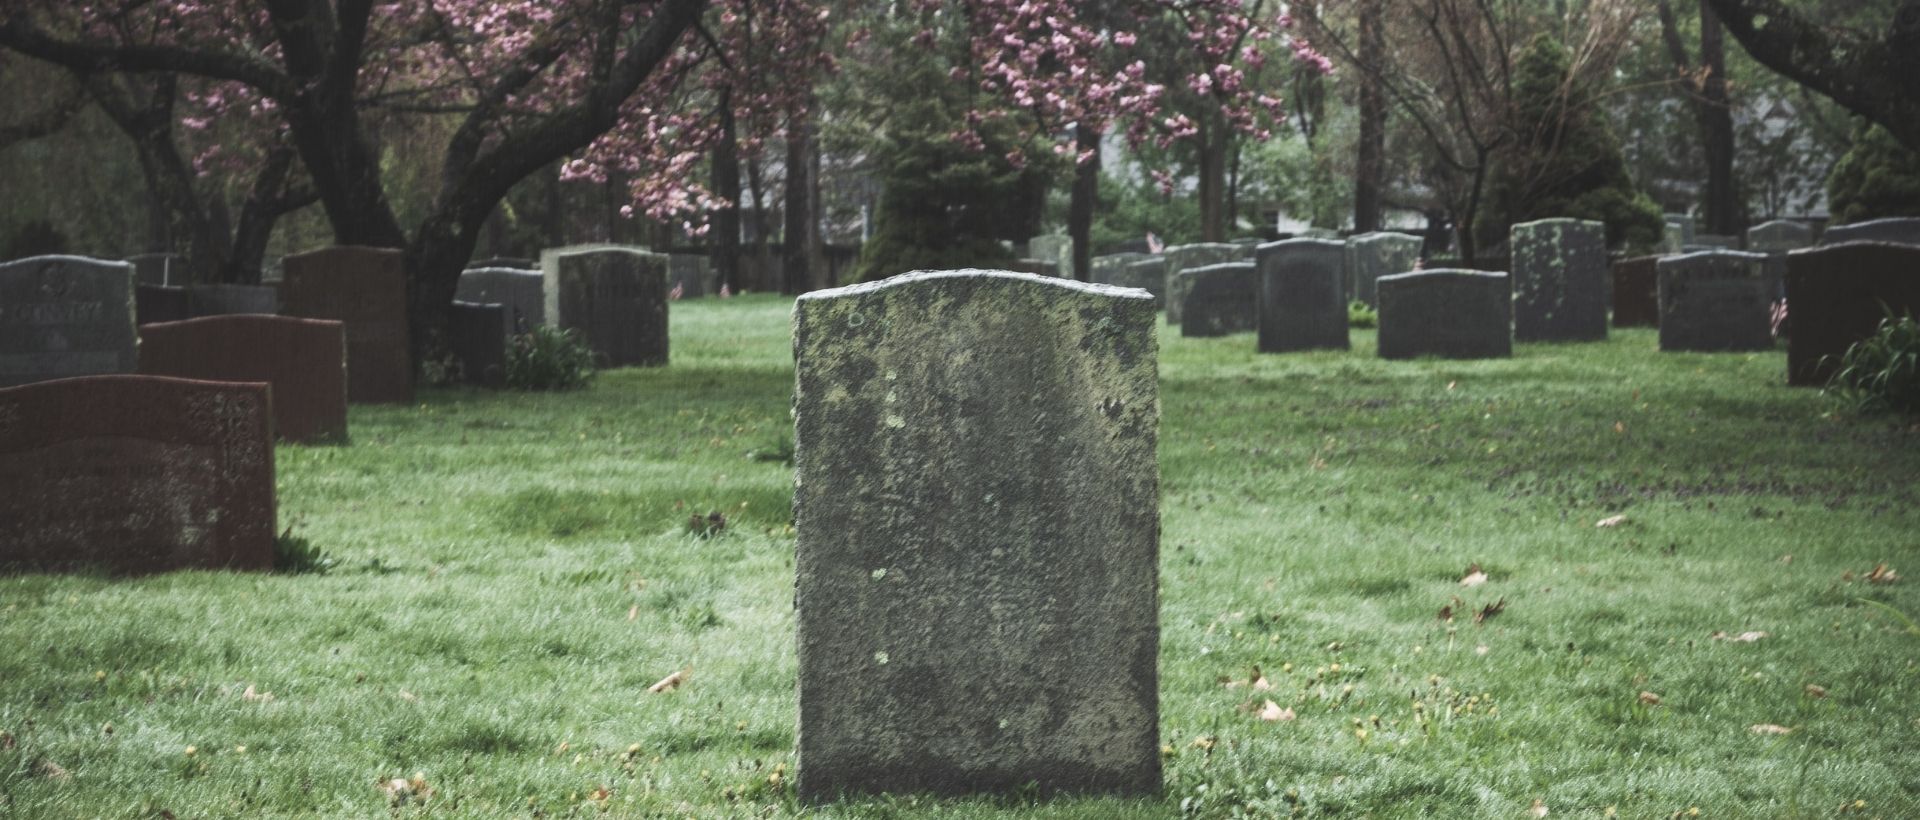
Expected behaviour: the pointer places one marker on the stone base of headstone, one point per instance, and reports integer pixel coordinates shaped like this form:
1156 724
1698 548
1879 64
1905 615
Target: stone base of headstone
304 359
1453 314
1838 295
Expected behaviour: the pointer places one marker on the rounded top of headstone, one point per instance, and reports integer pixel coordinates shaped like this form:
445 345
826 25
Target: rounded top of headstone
67 260
1712 253
500 271
1372 236
1875 245
1298 243
1442 273
1218 267
237 320
918 277
1560 221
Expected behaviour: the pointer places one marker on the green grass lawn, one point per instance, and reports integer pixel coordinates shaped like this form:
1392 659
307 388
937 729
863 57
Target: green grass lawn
513 571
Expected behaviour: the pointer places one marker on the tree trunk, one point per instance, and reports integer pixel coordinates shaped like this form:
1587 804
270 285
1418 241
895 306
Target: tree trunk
1370 156
1723 202
724 231
796 251
1086 196
1213 178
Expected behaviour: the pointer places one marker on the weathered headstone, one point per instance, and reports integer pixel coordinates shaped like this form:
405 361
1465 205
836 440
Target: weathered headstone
161 303
1187 257
1839 294
1106 270
1636 292
366 288
977 504
1779 236
1055 247
1037 267
478 335
507 262
65 316
1148 273
136 474
1370 256
1715 301
1303 295
1559 281
521 291
225 300
1898 230
158 269
1711 242
1450 313
1220 299
689 272
304 359
614 297
1678 233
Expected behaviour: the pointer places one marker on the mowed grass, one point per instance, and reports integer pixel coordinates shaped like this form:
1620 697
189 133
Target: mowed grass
514 571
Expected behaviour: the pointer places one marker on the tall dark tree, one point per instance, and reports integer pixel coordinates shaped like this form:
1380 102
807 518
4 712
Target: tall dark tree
1871 71
1707 96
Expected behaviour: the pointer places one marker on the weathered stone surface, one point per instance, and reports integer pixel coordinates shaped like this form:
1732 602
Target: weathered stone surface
1837 293
1370 256
1898 230
1037 267
158 269
1559 281
1303 295
1636 292
977 503
64 316
1054 247
136 473
1181 258
1710 242
690 272
521 291
1450 313
304 359
226 300
1220 299
1780 235
365 288
478 335
1148 273
161 303
615 297
1107 270
1715 301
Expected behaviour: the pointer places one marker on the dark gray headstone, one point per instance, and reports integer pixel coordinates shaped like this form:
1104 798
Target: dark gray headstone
1106 270
1711 242
1560 281
1182 258
227 300
478 335
1148 273
1714 301
1370 256
689 272
1450 313
977 503
1903 230
1220 299
1037 267
1839 295
615 297
1779 236
365 288
1636 292
160 303
64 316
521 291
158 269
1303 295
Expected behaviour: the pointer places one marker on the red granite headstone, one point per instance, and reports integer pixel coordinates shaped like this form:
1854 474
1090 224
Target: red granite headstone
304 360
1636 292
137 474
1837 295
367 289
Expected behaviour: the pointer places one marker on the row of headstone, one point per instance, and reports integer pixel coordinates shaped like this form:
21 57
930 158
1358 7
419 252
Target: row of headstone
1184 258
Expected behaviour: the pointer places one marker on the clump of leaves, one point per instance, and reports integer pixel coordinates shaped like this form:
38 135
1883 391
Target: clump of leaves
298 556
1359 314
706 526
549 358
1882 371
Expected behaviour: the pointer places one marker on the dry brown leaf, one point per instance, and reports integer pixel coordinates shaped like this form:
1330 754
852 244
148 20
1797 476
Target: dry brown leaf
1490 610
671 682
1258 680
409 696
1204 742
1611 521
256 696
1271 712
54 771
6 740
1620 427
1539 808
1768 729
1649 699
1815 690
1882 574
1744 637
1474 577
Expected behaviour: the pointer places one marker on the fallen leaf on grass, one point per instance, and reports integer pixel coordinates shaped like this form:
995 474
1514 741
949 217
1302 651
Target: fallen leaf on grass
1816 691
6 740
1649 699
1539 808
255 696
1490 610
1768 729
1611 521
54 771
1882 574
1744 637
409 696
633 612
1271 712
671 682
1203 742
1474 577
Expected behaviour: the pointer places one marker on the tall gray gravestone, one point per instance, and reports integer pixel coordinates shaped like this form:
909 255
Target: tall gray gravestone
1560 280
1149 273
977 503
1775 239
1450 313
64 316
613 296
1182 258
520 291
1055 248
365 288
1370 256
1678 233
1303 295
1220 299
1898 230
1715 301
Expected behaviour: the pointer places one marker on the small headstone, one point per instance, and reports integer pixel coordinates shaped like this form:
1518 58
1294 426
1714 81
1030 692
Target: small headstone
1187 257
64 316
615 297
689 272
1106 270
1636 292
161 303
508 262
478 335
1839 294
1559 281
1221 299
304 359
1037 267
366 288
1715 301
1903 230
136 474
1450 313
1148 273
1711 242
977 503
158 269
521 291
1303 295
1370 256
1678 233
226 300
1055 247
1779 236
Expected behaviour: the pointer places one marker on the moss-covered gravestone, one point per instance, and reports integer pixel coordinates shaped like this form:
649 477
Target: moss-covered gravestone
977 501
1302 296
1559 280
1373 255
1715 301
